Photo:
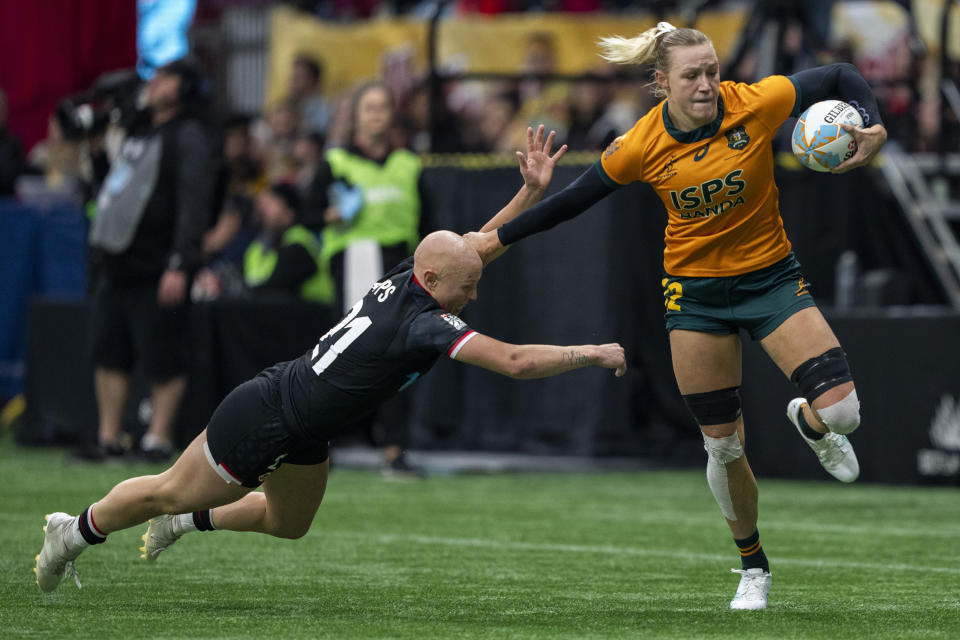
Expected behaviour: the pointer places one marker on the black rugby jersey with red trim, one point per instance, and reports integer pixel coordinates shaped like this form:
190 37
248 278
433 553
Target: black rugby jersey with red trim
387 341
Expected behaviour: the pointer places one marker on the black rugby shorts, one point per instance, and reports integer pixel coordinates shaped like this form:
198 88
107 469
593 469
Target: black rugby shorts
128 326
247 438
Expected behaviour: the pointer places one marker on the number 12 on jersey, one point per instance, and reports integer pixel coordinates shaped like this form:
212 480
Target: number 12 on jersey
354 326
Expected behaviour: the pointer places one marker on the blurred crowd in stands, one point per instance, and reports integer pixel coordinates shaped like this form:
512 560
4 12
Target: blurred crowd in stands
286 157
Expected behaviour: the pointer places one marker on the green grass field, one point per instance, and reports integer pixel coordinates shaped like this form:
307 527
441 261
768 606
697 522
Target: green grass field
638 555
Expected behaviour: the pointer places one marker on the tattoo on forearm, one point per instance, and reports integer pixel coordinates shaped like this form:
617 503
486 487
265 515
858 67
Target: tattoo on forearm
574 357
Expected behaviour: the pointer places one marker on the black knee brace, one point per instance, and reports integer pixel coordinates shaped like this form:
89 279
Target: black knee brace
714 407
817 375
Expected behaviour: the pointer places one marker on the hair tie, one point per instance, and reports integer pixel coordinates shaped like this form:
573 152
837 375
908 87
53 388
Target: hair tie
662 28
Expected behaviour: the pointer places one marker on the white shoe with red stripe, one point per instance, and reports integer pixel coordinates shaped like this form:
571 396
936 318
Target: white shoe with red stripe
55 560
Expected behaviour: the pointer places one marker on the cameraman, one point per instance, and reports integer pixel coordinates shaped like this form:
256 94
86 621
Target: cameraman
152 210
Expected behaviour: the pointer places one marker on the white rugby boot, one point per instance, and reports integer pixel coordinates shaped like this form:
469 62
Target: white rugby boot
55 560
833 450
752 590
159 536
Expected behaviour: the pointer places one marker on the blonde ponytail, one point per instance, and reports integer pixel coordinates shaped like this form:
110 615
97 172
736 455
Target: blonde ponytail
639 50
651 47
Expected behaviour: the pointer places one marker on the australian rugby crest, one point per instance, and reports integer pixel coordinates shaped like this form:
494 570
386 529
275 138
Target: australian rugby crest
737 138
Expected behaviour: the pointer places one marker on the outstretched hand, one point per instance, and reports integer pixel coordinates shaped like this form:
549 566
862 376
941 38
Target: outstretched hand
868 141
536 166
611 356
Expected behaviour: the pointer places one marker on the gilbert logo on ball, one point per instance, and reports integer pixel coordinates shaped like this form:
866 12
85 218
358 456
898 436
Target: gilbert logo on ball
818 140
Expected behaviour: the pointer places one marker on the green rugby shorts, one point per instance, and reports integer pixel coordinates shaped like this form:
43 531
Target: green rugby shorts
758 301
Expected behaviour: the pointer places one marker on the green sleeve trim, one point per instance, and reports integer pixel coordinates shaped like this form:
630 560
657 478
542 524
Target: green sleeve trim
607 180
799 100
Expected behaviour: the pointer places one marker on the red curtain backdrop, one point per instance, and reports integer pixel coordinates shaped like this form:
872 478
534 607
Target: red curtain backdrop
53 48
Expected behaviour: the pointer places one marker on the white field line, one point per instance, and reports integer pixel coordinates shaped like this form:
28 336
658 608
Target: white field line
952 533
482 543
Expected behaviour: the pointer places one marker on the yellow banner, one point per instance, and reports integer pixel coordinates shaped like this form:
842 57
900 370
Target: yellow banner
358 51
350 52
499 44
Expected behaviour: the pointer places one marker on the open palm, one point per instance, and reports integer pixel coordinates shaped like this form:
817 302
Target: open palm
537 164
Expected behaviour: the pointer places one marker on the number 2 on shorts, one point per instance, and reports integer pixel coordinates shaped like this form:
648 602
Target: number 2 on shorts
672 292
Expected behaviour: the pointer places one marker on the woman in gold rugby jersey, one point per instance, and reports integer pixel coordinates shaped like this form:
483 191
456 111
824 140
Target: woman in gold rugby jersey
727 261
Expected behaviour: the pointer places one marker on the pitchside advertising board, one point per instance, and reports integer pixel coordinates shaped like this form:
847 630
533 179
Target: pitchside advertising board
942 458
907 371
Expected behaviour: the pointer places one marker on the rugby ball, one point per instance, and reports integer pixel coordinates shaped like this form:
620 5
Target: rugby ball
819 143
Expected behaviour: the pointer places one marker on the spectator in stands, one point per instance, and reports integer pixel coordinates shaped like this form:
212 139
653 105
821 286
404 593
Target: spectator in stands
241 179
306 94
415 114
629 101
338 133
494 131
540 59
465 101
542 101
446 136
590 126
151 213
307 156
244 172
11 152
280 260
376 193
285 256
275 138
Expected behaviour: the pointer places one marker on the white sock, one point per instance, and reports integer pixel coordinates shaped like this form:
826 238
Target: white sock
183 523
77 542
